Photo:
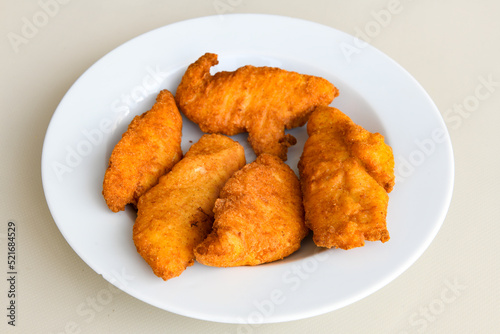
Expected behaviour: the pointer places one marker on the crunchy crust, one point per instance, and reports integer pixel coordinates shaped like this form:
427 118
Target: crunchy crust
258 218
345 174
262 101
177 214
149 148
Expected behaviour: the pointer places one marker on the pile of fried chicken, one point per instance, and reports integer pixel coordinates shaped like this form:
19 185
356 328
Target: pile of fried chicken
211 206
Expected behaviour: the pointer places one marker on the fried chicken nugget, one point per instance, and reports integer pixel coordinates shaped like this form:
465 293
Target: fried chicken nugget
147 150
177 214
345 173
259 217
262 101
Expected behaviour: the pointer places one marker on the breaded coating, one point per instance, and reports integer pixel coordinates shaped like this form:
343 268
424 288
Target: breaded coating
147 150
345 173
177 214
262 101
259 217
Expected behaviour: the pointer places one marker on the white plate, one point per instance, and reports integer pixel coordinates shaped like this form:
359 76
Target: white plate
374 91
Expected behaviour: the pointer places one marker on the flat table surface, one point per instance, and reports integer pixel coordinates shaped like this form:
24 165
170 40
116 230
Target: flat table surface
451 48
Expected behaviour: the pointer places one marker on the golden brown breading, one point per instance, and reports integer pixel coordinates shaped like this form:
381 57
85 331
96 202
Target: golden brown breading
177 214
262 101
259 217
147 150
345 174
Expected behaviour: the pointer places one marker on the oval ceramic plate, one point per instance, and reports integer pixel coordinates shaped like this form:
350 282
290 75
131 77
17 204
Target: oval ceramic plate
374 91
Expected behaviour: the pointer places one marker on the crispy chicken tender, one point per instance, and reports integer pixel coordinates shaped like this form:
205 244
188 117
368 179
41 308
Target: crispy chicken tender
259 217
262 101
147 150
345 173
177 214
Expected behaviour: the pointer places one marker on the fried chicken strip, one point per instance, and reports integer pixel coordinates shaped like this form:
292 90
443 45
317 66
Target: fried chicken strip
262 101
345 173
258 217
177 214
147 150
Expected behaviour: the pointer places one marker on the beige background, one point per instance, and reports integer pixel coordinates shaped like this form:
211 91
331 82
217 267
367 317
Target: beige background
446 45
